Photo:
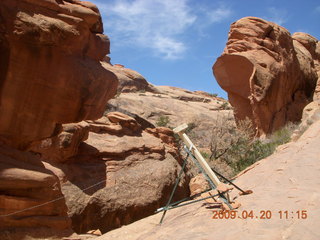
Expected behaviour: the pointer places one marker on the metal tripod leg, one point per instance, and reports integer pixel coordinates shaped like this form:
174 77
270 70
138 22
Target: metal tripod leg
175 187
221 195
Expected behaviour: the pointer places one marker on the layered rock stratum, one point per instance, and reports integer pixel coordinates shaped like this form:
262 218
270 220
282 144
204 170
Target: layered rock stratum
50 74
58 172
269 74
119 172
50 71
173 106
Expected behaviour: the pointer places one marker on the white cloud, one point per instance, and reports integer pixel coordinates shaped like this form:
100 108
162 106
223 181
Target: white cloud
159 25
276 15
154 24
170 48
219 14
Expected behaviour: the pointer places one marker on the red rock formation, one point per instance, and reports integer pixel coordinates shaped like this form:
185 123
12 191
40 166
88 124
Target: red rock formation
129 80
64 145
198 184
24 184
50 71
120 174
308 53
267 77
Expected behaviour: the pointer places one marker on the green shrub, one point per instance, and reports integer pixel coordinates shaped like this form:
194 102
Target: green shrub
225 106
237 147
205 155
163 121
213 94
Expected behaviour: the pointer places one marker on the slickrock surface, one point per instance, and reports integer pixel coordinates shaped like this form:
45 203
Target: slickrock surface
287 181
269 75
50 71
119 174
129 80
199 109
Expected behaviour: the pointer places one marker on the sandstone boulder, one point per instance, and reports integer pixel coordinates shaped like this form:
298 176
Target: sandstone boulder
64 145
198 184
310 48
129 80
269 76
49 67
311 114
30 196
120 174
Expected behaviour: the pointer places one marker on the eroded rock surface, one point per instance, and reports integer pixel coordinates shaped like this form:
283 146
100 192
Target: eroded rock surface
50 71
269 75
50 74
129 80
25 183
173 106
308 53
120 174
285 181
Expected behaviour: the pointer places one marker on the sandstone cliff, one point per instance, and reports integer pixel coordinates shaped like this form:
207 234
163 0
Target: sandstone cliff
57 171
269 75
50 71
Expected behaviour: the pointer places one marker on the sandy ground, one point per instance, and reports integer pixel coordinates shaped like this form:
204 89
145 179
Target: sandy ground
286 181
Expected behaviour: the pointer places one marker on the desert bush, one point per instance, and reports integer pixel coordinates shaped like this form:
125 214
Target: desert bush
213 94
191 126
237 147
163 121
205 155
225 106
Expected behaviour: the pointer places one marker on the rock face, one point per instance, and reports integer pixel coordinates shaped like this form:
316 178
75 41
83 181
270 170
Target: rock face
64 145
172 106
269 75
50 71
24 184
120 174
308 53
50 74
55 167
129 80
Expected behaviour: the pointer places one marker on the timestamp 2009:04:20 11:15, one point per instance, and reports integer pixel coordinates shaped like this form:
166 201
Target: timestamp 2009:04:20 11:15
263 214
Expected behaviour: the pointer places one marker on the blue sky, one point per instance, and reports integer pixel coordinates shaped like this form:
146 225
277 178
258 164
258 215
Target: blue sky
176 42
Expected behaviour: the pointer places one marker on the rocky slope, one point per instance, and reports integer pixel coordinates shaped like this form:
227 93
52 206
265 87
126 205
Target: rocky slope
112 171
269 75
286 181
170 106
